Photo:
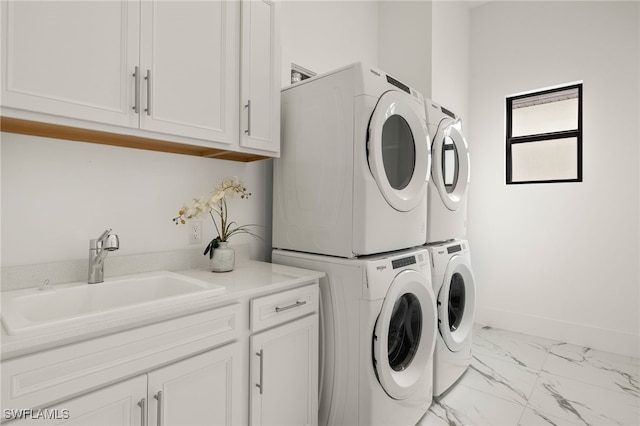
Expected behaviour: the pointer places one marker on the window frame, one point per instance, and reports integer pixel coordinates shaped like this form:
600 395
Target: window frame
564 134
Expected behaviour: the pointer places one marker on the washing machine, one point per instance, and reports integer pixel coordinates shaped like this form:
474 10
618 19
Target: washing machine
377 336
354 166
455 289
450 174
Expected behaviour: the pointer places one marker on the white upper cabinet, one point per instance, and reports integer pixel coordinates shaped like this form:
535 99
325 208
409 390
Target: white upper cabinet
72 59
204 73
189 69
260 69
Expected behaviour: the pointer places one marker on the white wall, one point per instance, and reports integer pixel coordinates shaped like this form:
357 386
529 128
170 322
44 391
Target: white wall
392 35
559 260
324 35
56 195
450 57
404 42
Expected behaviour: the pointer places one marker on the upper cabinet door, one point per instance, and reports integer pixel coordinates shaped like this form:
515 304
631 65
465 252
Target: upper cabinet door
260 81
189 69
72 59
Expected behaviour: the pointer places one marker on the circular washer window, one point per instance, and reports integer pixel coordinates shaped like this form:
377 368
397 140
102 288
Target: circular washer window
450 164
456 301
405 334
404 331
398 151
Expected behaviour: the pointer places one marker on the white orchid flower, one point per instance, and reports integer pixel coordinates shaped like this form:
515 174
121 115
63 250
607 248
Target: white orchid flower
216 197
216 207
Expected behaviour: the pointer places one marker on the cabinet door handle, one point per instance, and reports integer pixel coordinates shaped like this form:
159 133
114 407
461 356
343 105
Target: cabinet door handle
158 397
293 305
143 411
248 107
260 385
148 78
136 94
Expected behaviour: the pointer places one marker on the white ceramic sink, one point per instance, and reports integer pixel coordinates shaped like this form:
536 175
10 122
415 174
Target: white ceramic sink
72 305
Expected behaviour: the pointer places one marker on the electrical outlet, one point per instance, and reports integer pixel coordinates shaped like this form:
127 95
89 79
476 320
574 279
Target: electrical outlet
195 232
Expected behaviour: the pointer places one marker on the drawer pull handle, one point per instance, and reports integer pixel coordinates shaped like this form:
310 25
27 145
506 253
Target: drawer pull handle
259 385
136 93
158 398
294 305
248 107
143 411
148 79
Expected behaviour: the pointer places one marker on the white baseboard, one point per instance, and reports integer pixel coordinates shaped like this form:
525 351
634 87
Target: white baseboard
578 334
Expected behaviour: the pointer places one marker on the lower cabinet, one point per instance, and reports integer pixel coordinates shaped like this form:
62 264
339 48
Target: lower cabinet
284 372
201 390
284 358
117 405
252 362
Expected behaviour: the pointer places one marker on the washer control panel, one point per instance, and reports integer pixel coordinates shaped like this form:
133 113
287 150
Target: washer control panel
455 248
403 261
381 270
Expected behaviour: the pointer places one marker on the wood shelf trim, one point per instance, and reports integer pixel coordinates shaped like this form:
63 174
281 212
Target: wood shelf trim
36 128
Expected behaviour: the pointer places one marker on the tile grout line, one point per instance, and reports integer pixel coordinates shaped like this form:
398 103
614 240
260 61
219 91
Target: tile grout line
542 375
533 389
560 376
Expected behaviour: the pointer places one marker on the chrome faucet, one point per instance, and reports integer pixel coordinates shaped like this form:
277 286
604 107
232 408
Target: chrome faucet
98 251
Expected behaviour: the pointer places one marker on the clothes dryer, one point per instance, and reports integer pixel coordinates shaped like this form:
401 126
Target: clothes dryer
455 290
354 166
377 336
450 175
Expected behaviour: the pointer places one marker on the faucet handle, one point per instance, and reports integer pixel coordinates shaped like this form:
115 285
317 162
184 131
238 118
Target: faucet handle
104 235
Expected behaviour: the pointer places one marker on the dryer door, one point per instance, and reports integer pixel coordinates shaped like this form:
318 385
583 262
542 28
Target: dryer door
405 333
457 303
450 170
398 150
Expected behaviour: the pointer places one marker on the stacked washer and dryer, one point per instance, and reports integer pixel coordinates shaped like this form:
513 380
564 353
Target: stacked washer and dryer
356 196
453 281
350 200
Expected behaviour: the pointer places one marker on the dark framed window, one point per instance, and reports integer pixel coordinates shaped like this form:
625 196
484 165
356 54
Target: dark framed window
544 136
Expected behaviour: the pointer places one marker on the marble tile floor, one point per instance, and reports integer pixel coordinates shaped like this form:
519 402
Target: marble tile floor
516 379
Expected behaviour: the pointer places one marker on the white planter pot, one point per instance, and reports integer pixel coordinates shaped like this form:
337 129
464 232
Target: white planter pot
224 258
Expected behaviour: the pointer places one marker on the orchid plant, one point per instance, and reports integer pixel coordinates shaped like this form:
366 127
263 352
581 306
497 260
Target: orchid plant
216 207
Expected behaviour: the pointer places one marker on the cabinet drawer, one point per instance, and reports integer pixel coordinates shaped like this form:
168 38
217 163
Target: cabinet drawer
278 308
47 377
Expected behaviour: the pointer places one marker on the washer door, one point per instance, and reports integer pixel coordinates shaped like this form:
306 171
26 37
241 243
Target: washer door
457 303
405 332
398 145
451 167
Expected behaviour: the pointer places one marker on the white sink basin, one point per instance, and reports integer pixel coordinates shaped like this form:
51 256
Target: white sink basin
71 305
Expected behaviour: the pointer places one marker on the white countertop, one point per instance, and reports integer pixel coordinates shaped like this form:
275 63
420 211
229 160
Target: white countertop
251 279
